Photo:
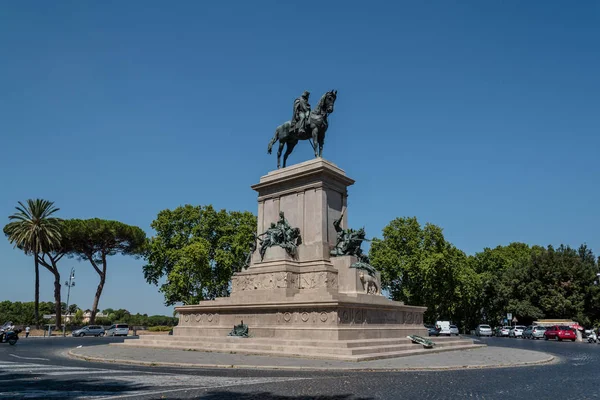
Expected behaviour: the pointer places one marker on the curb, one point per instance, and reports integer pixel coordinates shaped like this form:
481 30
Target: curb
72 354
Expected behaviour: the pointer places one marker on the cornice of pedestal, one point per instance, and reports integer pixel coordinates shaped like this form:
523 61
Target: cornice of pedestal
316 169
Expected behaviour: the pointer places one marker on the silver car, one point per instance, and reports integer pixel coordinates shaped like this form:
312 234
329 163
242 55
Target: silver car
453 330
534 332
118 330
90 330
483 330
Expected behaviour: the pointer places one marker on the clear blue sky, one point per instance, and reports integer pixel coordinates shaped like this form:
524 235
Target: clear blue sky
480 117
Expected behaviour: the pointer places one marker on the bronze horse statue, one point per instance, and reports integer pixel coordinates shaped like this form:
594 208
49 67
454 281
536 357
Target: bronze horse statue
315 130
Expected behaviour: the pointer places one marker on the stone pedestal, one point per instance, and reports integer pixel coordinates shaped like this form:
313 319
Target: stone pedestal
312 195
310 295
307 301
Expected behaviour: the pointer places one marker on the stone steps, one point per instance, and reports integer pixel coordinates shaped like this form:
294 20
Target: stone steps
414 352
321 343
351 350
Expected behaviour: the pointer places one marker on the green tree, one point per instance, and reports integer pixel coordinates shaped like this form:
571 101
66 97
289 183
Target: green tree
197 249
418 266
78 319
504 275
49 260
35 231
564 280
73 308
96 239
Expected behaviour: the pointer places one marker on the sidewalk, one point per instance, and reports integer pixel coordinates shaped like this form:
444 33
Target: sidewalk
485 357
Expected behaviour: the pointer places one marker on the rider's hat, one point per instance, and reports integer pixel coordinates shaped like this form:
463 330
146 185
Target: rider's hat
306 93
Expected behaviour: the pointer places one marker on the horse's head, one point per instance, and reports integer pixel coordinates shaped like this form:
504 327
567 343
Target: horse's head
327 101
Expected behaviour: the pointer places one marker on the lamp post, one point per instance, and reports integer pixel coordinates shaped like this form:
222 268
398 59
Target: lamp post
70 283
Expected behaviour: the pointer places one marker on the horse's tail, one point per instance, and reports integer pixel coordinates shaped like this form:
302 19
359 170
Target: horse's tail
273 141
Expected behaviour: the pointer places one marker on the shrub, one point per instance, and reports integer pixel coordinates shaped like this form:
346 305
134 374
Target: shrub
103 321
160 328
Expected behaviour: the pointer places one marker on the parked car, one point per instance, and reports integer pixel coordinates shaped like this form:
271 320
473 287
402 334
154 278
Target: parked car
431 330
504 331
517 331
560 332
118 330
534 332
90 330
443 328
483 330
454 330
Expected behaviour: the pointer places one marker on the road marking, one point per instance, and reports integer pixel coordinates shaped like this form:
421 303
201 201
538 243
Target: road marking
34 367
51 394
134 382
29 358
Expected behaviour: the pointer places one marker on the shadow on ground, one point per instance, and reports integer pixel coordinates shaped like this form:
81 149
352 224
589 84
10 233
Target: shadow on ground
221 395
29 385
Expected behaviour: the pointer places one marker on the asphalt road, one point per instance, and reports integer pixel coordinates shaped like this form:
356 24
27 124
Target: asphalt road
38 368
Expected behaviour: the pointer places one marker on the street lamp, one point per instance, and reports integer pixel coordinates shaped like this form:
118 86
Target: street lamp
70 283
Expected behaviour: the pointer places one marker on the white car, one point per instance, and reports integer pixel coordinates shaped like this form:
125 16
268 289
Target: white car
118 330
443 328
483 330
517 331
504 331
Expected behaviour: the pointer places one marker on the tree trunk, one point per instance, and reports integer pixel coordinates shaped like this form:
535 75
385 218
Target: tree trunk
57 301
99 290
97 297
36 304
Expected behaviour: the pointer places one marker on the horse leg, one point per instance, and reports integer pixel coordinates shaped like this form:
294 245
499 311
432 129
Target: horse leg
279 151
288 151
321 143
315 139
273 141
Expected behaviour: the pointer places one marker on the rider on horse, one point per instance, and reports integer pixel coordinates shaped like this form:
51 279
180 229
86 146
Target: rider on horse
301 113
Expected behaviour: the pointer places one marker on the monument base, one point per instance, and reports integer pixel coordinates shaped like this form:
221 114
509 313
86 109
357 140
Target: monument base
306 304
323 310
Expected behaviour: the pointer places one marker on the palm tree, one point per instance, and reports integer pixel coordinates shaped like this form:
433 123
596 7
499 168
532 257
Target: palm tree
34 230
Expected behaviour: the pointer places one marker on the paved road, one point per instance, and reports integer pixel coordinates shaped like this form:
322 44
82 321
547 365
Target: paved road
35 368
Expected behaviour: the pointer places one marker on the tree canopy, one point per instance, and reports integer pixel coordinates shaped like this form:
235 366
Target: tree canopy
418 266
195 251
35 231
94 240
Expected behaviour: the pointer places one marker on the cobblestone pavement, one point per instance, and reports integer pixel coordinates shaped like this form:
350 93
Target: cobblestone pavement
475 358
37 370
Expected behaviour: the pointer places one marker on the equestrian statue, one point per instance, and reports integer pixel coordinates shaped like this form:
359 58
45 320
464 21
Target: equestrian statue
306 124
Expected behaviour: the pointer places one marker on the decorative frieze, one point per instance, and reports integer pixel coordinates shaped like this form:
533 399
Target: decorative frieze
277 280
350 316
317 280
284 280
306 317
199 319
